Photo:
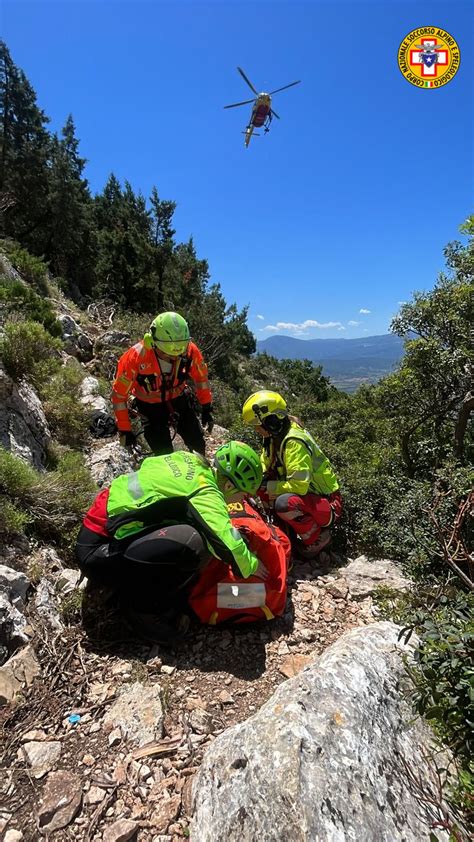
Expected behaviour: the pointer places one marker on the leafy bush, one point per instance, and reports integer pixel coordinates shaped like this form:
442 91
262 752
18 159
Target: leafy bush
47 505
13 520
67 417
33 269
443 683
17 300
444 673
28 350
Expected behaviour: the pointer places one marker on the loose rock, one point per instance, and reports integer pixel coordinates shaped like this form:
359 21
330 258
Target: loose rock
165 812
138 713
293 664
41 756
18 673
61 802
120 831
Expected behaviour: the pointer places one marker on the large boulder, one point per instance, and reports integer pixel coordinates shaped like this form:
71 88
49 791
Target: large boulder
325 758
76 342
23 426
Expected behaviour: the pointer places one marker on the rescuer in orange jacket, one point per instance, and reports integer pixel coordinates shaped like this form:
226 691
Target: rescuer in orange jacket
155 372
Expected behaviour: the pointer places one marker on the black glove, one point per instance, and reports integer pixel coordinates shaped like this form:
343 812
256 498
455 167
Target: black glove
207 417
127 438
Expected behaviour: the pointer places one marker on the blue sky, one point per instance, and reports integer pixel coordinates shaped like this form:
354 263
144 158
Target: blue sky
335 216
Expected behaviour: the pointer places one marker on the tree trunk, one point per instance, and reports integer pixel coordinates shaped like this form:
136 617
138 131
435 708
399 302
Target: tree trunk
461 424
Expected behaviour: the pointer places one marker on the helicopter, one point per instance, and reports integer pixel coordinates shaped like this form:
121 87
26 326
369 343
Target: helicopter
262 111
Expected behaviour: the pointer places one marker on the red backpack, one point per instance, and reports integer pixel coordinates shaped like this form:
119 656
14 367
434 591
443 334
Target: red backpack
218 596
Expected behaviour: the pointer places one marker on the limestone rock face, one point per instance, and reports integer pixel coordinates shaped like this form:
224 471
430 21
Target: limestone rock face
323 758
109 461
363 577
14 583
13 628
23 426
76 342
90 396
112 339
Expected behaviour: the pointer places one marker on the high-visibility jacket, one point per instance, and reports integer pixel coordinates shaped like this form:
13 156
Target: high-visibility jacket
177 488
219 596
299 464
139 374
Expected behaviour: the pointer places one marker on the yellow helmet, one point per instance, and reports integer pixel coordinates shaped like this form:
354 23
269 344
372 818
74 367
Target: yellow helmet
261 405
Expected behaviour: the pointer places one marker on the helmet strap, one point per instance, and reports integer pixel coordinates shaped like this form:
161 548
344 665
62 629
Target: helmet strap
273 424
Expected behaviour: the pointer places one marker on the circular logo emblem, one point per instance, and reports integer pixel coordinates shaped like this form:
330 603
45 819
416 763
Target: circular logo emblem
429 57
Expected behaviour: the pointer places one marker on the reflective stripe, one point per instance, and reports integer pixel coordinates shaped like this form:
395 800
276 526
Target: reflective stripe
299 475
312 531
134 487
267 612
156 397
289 514
119 405
235 595
203 385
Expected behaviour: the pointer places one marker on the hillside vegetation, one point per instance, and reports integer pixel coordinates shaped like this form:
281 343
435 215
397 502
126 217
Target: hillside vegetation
402 448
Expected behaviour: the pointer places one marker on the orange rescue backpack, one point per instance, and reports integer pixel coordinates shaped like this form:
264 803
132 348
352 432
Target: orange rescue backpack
221 597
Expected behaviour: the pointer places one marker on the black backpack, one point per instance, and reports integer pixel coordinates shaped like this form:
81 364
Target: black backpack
102 425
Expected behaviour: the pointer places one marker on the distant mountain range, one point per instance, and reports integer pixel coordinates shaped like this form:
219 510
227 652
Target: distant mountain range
348 362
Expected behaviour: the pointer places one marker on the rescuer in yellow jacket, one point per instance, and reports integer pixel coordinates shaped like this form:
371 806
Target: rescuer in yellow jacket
155 372
297 475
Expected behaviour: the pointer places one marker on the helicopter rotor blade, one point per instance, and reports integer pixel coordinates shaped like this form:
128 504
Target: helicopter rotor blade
235 104
247 80
275 114
285 87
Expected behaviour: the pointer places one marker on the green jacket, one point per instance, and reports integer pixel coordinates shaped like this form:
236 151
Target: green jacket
178 488
300 464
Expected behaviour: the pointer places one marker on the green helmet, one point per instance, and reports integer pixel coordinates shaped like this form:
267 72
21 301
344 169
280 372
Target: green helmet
240 464
169 332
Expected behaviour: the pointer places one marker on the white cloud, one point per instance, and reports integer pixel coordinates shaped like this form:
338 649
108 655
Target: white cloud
364 311
303 326
262 318
352 323
401 302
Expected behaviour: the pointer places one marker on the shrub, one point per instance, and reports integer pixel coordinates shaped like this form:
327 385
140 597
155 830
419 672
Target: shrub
444 671
226 404
13 520
67 417
17 300
33 269
28 350
16 476
47 505
443 684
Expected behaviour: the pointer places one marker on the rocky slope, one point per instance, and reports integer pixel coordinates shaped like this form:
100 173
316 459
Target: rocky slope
103 735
